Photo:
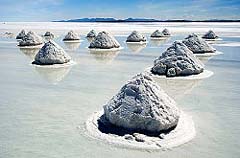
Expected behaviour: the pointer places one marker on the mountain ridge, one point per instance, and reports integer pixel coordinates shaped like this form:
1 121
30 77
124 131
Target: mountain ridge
111 19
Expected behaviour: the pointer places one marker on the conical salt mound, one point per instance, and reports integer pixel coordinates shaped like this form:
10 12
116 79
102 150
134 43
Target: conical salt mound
50 54
166 32
71 36
31 39
210 35
92 34
136 36
177 60
49 34
141 105
157 34
21 34
198 45
104 41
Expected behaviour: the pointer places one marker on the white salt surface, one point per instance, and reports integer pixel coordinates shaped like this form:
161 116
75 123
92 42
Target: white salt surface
208 54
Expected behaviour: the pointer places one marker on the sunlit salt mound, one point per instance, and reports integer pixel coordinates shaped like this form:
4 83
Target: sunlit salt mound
157 34
104 40
31 39
50 54
71 36
177 60
91 34
21 34
166 32
198 45
136 36
141 116
141 105
210 35
49 34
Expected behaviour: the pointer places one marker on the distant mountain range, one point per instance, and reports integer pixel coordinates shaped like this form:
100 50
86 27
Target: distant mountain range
141 20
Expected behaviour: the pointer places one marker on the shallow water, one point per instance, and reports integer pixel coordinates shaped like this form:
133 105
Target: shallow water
43 111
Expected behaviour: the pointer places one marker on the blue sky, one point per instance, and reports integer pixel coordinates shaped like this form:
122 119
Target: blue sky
48 10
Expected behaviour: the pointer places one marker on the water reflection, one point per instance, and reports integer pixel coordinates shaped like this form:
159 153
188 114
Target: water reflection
204 59
136 47
72 45
177 88
53 75
104 57
158 42
30 52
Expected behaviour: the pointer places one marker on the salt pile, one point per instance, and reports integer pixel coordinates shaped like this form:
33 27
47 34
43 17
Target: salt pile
104 40
50 54
177 60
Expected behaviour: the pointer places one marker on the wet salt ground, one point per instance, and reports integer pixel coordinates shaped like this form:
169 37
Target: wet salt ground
40 117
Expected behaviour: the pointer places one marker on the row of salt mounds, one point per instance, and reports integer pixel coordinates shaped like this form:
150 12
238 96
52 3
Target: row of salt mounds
136 37
177 60
31 39
142 115
51 54
210 35
198 45
104 41
157 34
91 34
71 37
21 34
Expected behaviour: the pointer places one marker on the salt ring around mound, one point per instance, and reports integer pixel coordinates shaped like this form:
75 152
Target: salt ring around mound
68 64
104 50
217 39
203 75
208 54
183 133
72 41
31 47
159 38
141 42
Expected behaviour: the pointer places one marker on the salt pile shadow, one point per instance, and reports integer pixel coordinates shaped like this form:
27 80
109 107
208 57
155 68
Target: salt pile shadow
98 128
106 127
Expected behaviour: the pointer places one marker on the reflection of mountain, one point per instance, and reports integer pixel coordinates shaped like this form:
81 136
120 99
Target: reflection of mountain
136 47
72 45
177 88
105 57
53 75
29 52
158 42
